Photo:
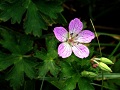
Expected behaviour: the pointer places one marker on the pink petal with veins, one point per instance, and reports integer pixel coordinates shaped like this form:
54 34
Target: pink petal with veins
64 50
80 51
61 33
85 36
75 26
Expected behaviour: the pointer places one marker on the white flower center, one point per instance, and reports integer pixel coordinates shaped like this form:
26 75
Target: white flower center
71 39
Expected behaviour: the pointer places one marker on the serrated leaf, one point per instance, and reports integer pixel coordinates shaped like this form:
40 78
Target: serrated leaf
84 84
41 55
39 14
54 8
51 44
13 11
51 52
33 22
15 43
16 75
48 65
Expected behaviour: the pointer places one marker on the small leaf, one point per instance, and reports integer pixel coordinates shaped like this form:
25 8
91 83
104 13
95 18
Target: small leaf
48 65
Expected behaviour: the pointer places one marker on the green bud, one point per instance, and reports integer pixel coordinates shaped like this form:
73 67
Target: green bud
104 67
88 74
106 60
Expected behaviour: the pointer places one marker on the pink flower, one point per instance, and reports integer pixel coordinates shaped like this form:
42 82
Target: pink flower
73 40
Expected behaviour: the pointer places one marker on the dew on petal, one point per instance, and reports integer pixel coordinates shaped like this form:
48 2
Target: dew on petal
80 50
64 50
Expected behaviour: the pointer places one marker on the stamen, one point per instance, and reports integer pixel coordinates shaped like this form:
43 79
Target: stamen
71 34
76 35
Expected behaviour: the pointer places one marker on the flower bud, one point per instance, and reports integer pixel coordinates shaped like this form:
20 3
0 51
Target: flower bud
106 60
88 74
104 67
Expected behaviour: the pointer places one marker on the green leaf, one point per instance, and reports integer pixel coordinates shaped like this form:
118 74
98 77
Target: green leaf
13 11
16 75
51 53
41 55
37 16
29 68
70 84
6 61
15 42
84 84
54 8
51 44
66 69
48 65
33 22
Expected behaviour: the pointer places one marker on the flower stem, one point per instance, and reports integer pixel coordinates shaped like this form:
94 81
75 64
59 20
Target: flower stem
99 49
96 37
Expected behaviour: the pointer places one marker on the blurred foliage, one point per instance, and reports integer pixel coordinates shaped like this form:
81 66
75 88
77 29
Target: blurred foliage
28 48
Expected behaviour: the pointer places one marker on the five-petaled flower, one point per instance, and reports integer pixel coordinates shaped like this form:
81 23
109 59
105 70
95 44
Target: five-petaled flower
73 40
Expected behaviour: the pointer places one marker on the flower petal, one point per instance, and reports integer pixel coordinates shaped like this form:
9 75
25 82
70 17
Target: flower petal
61 33
85 36
64 50
80 51
75 26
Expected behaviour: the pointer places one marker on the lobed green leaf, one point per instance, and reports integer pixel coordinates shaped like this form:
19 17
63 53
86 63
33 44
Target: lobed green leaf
13 11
